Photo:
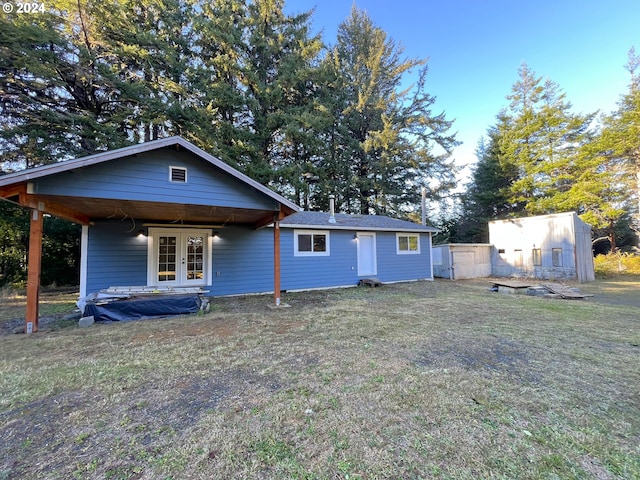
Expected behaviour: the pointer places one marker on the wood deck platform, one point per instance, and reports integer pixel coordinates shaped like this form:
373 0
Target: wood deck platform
565 291
514 283
548 289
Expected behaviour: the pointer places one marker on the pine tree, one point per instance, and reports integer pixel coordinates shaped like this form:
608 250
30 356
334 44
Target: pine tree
384 138
541 137
91 76
487 195
221 120
621 132
608 174
54 98
257 81
149 58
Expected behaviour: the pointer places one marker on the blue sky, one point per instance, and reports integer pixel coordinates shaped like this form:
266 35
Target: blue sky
476 46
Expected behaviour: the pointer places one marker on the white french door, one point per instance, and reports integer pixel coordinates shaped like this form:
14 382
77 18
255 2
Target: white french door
179 257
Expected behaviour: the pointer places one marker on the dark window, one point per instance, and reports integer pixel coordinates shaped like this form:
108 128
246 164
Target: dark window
304 243
319 243
312 243
537 256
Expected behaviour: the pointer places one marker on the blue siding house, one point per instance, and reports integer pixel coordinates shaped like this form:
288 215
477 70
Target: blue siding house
324 250
167 214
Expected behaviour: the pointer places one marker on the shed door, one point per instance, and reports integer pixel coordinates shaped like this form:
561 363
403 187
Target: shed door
463 264
178 258
367 254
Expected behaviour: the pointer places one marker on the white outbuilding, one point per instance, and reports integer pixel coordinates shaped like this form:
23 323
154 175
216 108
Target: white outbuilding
556 246
549 247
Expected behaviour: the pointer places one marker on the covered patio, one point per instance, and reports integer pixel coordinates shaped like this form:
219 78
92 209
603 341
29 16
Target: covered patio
164 185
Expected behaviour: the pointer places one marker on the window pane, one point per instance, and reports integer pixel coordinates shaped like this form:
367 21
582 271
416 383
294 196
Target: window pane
403 244
413 244
517 258
319 243
304 243
556 257
166 258
537 256
195 257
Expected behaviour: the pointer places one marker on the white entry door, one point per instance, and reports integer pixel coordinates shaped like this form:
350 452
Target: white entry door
179 258
367 264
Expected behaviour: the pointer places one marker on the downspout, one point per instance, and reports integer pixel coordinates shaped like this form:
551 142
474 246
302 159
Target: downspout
451 274
423 205
84 259
431 252
276 257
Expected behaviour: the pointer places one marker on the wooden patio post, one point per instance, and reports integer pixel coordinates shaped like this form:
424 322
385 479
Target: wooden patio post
33 271
276 260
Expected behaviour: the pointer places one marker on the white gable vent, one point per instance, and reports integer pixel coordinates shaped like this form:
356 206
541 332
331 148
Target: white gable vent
178 174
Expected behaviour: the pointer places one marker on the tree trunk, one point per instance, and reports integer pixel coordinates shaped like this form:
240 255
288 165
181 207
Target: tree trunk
612 237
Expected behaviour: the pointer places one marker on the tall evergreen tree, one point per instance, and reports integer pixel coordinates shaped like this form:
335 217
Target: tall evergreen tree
487 196
385 139
55 102
607 189
91 76
257 77
541 137
149 58
219 38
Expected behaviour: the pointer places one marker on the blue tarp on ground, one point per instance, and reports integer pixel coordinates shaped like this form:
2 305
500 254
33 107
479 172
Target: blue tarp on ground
147 306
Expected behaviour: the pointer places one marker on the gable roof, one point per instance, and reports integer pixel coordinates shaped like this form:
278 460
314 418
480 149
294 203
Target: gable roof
176 141
353 222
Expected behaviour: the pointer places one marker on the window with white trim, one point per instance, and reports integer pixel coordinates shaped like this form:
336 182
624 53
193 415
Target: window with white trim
311 243
407 243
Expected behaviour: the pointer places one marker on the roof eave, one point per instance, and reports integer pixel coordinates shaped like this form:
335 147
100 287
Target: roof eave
96 158
358 227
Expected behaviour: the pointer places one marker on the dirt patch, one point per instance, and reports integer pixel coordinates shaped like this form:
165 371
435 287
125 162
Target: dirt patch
285 327
148 418
492 355
215 327
45 324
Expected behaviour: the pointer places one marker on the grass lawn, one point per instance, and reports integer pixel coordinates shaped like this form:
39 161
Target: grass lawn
419 380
